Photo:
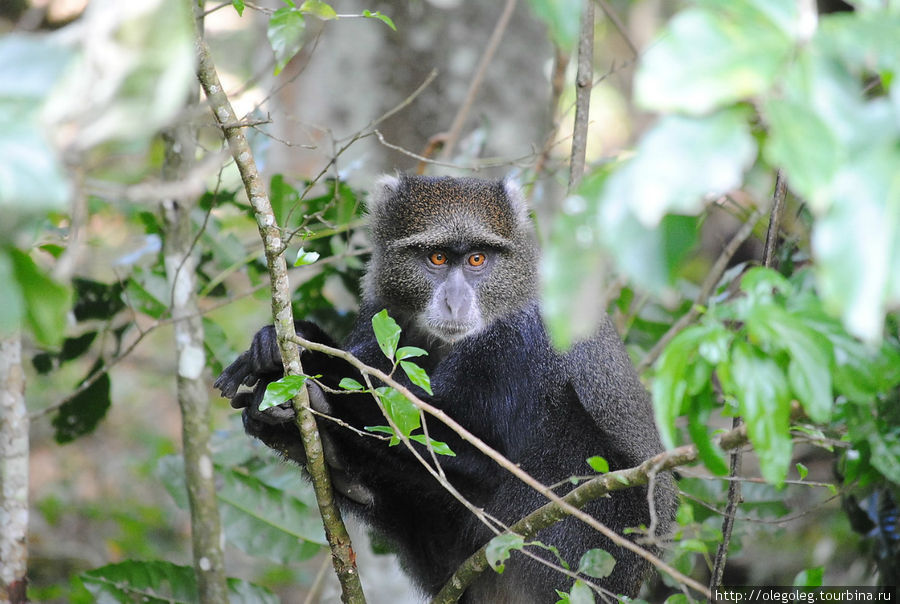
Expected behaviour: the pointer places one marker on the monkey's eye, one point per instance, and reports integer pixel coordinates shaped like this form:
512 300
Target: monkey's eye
438 258
477 259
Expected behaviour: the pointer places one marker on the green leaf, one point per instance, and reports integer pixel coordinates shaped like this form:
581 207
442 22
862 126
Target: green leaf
285 33
597 563
761 389
46 302
304 258
82 413
802 144
134 581
417 375
682 161
350 384
677 599
677 376
712 56
811 577
581 593
266 521
319 9
387 332
238 6
282 390
498 549
562 17
598 464
401 411
383 18
407 352
441 448
802 470
809 368
698 417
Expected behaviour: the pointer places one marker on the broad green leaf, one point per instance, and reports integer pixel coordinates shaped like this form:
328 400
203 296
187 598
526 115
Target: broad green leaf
156 582
677 599
563 19
498 549
319 9
46 302
674 380
403 413
712 56
407 352
801 143
265 521
597 563
304 257
680 162
282 390
417 375
285 33
581 593
238 6
761 389
811 577
383 18
82 413
350 384
598 464
809 369
802 470
710 453
441 448
284 199
387 332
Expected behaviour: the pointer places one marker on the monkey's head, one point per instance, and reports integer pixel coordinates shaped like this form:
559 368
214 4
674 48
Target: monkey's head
451 255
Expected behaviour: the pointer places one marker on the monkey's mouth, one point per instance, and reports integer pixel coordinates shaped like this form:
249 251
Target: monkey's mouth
451 331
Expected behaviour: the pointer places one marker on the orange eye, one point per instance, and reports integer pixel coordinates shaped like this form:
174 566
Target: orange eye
438 258
477 259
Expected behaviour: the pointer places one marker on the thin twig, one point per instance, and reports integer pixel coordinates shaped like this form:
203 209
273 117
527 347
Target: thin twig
620 27
583 86
459 121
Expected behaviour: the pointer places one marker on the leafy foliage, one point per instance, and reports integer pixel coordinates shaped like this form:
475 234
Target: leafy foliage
160 582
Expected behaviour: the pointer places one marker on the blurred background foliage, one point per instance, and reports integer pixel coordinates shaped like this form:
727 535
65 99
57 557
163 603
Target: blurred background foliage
695 107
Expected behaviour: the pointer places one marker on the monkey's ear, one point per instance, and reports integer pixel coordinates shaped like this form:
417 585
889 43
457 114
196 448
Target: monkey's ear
386 186
517 202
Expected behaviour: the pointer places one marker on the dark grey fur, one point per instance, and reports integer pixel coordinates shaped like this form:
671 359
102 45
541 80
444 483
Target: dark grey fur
492 369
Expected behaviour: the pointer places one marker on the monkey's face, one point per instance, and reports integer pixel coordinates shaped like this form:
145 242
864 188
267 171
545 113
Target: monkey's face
450 255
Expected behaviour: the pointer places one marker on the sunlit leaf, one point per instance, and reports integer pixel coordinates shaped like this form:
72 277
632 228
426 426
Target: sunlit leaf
598 464
282 390
319 9
711 56
597 563
417 375
285 33
499 548
378 15
387 332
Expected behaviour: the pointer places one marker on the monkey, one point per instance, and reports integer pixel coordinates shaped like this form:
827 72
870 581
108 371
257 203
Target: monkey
455 262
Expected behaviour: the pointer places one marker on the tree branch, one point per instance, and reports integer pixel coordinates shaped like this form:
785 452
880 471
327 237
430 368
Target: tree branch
343 556
583 86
